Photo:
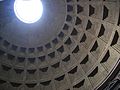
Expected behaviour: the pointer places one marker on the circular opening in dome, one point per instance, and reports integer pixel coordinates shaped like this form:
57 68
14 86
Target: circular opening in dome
28 11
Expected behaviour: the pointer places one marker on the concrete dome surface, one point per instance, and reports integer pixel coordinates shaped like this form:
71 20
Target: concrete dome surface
74 46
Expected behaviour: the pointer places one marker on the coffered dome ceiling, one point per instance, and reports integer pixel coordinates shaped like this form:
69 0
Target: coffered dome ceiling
74 46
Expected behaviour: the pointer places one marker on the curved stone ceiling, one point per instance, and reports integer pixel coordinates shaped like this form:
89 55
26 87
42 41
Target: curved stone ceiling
74 46
33 35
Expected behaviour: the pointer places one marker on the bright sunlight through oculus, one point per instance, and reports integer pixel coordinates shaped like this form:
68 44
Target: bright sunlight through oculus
28 11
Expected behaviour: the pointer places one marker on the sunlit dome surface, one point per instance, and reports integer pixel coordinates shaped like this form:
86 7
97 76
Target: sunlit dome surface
28 11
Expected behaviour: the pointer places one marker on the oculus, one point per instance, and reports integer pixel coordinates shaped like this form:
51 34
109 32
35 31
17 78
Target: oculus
28 11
